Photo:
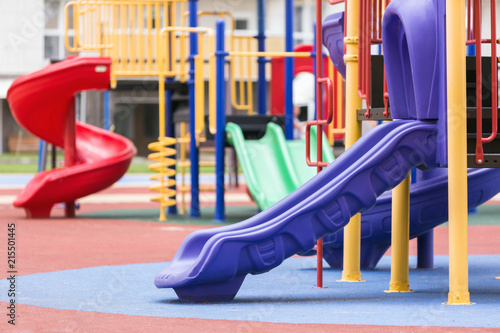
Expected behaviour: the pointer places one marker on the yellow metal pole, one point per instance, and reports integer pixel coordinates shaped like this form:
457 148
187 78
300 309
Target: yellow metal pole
132 38
99 30
157 29
211 84
249 80
352 232
241 90
123 38
457 153
141 47
149 46
115 53
183 167
199 87
400 238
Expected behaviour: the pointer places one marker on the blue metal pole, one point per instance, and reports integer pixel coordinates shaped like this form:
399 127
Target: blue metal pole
471 49
194 153
425 242
42 155
289 66
261 38
220 135
106 111
170 132
425 248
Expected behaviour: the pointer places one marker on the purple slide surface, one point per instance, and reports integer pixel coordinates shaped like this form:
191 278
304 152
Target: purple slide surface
211 264
333 39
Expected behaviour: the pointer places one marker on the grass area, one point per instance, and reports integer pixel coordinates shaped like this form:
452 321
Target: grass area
18 168
486 215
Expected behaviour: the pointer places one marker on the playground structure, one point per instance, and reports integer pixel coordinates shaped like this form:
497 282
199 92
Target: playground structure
48 111
162 51
211 264
268 249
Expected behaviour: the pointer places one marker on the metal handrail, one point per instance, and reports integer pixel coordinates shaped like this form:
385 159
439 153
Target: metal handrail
370 33
127 31
319 123
474 21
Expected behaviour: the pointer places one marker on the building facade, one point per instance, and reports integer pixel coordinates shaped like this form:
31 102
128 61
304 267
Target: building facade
33 36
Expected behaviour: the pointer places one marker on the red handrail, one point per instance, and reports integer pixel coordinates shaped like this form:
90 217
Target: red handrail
320 122
370 33
474 37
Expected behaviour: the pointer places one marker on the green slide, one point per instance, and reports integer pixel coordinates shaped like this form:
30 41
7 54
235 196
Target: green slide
274 167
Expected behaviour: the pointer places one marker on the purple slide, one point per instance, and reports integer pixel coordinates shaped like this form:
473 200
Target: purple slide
333 39
211 264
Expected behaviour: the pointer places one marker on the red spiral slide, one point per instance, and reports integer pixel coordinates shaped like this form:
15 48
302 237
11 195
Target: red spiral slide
43 103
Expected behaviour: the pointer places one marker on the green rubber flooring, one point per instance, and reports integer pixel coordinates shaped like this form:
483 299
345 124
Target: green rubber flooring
233 214
486 215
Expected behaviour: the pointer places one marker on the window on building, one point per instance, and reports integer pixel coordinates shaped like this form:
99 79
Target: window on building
297 22
55 29
240 24
303 21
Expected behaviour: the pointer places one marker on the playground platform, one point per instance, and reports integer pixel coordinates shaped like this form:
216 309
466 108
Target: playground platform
96 272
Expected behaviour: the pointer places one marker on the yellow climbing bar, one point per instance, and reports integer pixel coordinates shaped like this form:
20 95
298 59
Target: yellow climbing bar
127 31
164 151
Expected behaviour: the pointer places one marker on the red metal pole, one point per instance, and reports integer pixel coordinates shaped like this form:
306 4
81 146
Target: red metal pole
70 150
361 43
494 76
469 9
319 116
335 99
479 102
380 14
368 59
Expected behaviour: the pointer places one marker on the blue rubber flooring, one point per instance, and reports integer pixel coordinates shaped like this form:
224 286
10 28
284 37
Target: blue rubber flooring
284 295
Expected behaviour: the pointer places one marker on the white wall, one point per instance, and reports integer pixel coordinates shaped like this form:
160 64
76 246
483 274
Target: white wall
240 9
275 14
486 26
21 36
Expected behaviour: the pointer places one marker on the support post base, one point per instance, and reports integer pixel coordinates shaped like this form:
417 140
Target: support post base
459 299
351 277
399 287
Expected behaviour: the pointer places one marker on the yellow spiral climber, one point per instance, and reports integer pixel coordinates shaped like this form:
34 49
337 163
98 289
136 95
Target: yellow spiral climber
163 162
